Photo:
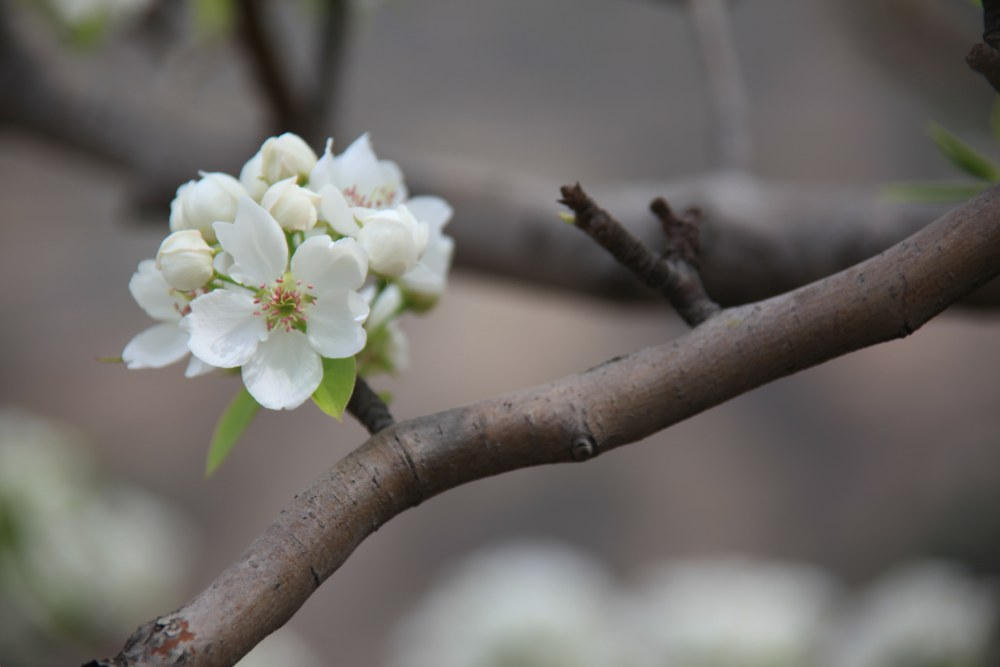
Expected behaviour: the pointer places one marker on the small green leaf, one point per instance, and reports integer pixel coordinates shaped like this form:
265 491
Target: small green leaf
110 360
962 155
995 118
933 193
337 386
234 420
568 217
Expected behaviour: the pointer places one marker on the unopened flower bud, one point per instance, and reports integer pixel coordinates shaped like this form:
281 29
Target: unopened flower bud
199 203
185 260
393 239
292 206
252 178
284 156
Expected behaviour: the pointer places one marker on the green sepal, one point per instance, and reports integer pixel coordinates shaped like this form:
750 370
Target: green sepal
962 155
337 386
933 193
234 420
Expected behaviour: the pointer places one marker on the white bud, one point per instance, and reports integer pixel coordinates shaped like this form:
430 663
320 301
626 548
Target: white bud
185 260
252 177
199 203
292 206
393 239
284 156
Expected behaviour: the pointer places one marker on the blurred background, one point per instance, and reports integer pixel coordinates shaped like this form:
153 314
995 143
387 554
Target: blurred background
855 469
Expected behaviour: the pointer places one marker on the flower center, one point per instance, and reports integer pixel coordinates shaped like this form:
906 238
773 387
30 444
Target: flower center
284 306
380 197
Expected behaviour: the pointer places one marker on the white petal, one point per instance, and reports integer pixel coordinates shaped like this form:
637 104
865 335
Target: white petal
334 324
334 209
435 211
330 265
284 371
224 330
256 242
252 178
386 306
196 367
151 291
430 274
156 347
324 173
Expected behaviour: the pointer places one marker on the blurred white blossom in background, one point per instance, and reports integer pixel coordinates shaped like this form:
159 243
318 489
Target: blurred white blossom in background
729 612
80 557
518 606
532 605
928 614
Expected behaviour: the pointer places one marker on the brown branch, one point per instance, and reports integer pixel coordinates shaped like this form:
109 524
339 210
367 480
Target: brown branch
675 274
986 60
618 402
273 81
368 408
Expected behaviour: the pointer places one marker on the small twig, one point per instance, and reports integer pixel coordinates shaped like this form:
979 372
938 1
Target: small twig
991 23
673 274
368 408
986 60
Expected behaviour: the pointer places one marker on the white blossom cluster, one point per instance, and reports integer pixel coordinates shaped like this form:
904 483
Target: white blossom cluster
299 259
532 605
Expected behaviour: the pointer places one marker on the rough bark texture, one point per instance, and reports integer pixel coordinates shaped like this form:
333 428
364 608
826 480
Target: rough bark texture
572 419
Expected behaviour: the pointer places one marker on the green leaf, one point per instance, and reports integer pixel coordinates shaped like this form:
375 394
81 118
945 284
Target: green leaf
234 420
995 118
962 155
337 386
933 193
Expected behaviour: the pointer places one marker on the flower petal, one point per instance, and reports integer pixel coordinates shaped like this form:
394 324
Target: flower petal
284 371
430 275
330 265
156 347
151 291
224 330
196 367
325 171
435 211
256 243
385 307
334 209
334 328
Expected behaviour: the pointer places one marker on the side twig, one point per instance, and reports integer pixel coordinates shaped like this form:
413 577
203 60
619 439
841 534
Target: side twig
368 408
675 274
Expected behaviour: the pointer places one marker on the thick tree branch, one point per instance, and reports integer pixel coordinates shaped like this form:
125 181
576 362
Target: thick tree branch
618 402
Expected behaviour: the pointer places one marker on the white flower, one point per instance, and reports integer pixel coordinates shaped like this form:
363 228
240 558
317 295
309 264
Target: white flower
363 179
731 612
284 156
292 206
164 343
200 203
252 178
527 605
185 260
279 327
388 349
393 239
929 613
425 283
